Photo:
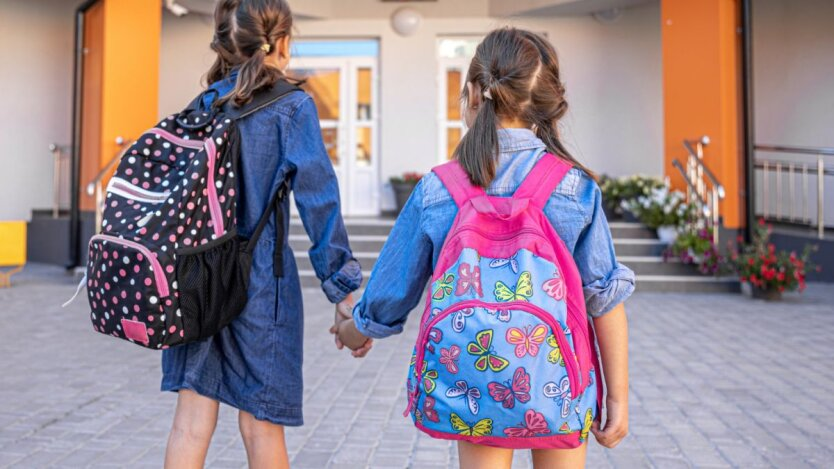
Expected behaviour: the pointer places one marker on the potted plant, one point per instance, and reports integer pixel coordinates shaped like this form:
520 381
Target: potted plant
617 190
403 186
770 272
695 246
663 210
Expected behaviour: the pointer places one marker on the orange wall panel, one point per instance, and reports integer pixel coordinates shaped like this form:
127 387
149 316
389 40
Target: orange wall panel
132 32
702 91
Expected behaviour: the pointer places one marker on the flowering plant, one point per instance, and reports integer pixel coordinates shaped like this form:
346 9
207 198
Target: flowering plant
662 207
767 269
616 190
407 178
695 246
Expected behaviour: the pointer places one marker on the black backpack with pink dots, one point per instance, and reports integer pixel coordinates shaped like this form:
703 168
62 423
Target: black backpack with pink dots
169 266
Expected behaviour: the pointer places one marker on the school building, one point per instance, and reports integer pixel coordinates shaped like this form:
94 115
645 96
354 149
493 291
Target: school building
731 99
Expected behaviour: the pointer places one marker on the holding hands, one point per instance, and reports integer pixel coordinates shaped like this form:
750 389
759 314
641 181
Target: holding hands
347 335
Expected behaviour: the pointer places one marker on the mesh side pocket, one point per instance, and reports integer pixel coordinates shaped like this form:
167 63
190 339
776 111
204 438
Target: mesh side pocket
212 281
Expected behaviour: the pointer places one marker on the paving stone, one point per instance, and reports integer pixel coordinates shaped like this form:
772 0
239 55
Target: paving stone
710 383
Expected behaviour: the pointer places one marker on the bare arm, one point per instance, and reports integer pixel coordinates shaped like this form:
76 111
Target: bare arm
612 335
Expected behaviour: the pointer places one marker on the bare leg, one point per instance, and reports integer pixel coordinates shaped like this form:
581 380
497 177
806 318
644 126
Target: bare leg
264 442
194 423
560 458
474 456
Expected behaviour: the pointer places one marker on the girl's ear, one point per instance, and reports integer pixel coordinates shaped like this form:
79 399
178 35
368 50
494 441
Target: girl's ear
283 46
473 97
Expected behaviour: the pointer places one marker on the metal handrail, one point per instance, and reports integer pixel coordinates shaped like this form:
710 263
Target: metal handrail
58 153
94 187
821 170
696 174
827 151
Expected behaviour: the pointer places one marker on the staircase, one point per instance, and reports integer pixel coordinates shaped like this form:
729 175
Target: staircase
636 246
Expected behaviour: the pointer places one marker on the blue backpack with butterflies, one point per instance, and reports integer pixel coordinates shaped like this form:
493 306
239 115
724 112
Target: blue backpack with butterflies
505 356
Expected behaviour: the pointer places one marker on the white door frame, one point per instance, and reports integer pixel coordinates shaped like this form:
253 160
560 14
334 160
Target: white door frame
443 122
359 185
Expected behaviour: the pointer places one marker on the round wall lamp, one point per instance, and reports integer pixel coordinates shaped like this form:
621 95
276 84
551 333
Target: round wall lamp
406 21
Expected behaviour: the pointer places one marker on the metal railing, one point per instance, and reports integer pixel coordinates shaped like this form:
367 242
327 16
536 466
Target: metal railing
702 187
94 187
794 168
60 176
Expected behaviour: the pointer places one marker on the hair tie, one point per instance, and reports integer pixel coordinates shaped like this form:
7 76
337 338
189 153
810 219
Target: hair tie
487 94
266 47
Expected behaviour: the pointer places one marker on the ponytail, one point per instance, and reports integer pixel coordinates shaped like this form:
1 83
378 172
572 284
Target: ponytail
478 147
222 43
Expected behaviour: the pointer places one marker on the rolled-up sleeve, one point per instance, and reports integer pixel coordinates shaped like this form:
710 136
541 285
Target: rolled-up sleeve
399 276
606 283
316 193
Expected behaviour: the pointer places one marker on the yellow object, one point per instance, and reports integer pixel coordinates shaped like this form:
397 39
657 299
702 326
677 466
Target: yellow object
12 249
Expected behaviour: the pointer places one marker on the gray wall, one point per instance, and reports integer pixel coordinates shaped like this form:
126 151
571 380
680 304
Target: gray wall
36 79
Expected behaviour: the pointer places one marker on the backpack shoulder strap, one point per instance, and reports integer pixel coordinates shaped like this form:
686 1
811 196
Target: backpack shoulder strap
454 177
261 99
543 179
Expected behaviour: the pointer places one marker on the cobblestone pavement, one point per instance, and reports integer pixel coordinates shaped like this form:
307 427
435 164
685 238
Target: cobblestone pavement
716 381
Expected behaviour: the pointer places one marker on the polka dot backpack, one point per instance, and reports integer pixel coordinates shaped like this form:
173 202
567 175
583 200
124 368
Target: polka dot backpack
169 266
505 355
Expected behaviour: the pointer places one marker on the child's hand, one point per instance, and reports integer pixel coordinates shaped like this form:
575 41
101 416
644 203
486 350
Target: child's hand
616 424
348 335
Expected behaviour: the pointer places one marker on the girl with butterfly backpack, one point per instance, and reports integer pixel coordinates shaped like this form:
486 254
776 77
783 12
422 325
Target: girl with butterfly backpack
512 239
254 364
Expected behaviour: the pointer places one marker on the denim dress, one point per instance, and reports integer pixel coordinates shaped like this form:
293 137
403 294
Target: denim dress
574 209
254 364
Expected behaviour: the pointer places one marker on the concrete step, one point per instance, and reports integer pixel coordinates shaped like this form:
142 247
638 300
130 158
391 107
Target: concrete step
655 265
355 226
622 229
687 284
638 247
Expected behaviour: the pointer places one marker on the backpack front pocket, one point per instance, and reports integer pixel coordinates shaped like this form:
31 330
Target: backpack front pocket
128 292
497 370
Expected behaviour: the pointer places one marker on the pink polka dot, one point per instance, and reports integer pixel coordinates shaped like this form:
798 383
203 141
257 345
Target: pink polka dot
190 205
150 318
155 236
135 308
128 171
148 282
134 181
172 238
124 294
150 332
187 241
157 153
122 273
138 296
169 269
140 257
172 329
146 185
148 141
231 192
105 255
136 268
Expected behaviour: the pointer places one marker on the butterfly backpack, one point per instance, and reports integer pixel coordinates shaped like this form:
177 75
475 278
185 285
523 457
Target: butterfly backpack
505 355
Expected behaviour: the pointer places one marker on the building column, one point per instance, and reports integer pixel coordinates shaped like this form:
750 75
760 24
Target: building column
702 91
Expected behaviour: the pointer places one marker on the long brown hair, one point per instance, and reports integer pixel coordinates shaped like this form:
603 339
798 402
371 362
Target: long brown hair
222 43
259 25
516 73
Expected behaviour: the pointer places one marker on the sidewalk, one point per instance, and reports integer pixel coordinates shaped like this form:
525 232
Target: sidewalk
716 381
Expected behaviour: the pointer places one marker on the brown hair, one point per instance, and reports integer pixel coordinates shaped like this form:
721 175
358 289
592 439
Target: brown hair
259 25
222 43
516 72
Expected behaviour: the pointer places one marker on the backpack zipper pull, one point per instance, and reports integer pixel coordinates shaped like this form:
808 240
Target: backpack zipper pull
77 291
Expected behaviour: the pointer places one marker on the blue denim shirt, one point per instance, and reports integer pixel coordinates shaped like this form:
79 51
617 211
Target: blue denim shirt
408 257
284 139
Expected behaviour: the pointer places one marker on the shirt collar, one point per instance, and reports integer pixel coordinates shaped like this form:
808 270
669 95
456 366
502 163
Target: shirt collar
511 140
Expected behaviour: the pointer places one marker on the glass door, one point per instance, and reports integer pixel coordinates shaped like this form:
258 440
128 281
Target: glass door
345 90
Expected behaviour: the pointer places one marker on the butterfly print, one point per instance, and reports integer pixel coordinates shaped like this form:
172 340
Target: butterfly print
586 427
443 287
527 340
428 410
560 393
449 357
459 319
555 287
517 389
435 335
428 378
503 315
482 428
471 395
522 292
555 355
482 348
510 262
534 424
469 278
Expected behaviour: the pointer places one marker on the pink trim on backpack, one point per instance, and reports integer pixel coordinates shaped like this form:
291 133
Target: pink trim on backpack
193 144
214 203
135 330
563 441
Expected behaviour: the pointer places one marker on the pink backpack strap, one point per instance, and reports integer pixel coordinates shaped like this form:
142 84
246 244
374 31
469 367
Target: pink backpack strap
543 180
454 177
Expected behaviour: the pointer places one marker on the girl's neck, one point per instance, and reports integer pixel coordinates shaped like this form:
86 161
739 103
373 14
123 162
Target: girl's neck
513 124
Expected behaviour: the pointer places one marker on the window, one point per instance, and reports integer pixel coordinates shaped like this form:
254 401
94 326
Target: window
453 54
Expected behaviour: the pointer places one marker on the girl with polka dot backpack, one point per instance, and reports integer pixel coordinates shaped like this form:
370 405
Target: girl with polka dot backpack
169 266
